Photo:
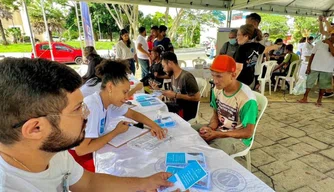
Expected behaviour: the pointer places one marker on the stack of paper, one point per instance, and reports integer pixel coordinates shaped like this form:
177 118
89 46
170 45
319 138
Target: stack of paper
166 122
147 100
129 135
147 142
185 173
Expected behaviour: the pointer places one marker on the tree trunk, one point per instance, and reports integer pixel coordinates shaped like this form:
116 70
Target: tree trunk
2 30
166 15
192 34
50 36
176 23
117 16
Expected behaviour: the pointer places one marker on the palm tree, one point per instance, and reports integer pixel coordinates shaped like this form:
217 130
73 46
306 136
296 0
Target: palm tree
5 13
55 17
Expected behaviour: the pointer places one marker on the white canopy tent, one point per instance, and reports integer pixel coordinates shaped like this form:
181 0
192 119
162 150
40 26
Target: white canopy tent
286 7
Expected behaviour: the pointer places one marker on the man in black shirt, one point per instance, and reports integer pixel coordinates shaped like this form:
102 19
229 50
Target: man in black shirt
184 90
163 41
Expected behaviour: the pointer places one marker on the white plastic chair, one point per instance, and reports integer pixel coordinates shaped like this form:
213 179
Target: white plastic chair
292 78
182 62
262 103
198 61
270 65
202 84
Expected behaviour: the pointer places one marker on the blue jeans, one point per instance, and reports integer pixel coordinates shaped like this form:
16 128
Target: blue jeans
132 66
145 67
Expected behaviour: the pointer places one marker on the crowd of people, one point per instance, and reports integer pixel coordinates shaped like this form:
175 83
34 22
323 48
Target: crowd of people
48 109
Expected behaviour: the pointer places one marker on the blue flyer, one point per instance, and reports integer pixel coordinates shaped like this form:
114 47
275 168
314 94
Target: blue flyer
166 122
186 177
182 159
202 184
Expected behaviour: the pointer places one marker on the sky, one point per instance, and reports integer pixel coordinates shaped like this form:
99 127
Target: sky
152 9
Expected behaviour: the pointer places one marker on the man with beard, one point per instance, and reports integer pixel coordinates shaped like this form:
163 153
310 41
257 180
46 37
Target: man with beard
42 115
184 91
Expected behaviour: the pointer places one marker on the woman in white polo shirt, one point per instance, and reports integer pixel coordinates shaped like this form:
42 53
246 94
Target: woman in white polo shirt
125 50
106 105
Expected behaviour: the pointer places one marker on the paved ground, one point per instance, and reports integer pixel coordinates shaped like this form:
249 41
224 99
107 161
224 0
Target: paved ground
294 145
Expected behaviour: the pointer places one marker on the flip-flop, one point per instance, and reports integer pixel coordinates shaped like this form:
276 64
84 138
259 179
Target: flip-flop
300 101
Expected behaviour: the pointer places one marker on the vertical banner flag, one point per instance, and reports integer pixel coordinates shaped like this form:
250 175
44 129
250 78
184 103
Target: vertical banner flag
86 23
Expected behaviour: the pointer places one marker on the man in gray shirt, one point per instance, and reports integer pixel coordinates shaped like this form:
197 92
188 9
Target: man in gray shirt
230 47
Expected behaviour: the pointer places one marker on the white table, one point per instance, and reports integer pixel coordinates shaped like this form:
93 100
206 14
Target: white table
226 173
162 106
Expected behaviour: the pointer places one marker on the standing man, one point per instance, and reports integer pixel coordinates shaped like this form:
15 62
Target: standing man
163 41
51 118
307 49
229 48
320 67
235 109
142 52
185 93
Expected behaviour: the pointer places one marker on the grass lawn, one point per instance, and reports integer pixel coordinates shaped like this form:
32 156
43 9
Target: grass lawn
27 46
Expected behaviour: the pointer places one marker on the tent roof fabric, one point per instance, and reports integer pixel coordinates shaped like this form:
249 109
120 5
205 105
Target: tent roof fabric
287 7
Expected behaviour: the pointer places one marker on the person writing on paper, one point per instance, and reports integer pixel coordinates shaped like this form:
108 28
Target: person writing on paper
106 105
235 109
50 119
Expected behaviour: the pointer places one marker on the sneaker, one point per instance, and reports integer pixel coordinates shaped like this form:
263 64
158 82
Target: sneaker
327 95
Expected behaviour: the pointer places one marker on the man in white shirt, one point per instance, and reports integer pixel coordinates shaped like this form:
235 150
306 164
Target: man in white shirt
320 67
43 115
142 52
307 49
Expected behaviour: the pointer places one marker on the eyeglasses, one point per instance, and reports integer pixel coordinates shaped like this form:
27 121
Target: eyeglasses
84 114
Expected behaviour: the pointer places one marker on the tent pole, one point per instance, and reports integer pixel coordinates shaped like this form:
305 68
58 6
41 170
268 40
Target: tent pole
32 38
47 30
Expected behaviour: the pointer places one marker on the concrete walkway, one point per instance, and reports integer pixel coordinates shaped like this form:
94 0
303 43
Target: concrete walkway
294 146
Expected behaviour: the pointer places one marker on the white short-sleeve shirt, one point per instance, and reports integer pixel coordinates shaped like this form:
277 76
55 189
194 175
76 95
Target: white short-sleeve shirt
98 117
124 52
323 60
51 180
141 40
87 90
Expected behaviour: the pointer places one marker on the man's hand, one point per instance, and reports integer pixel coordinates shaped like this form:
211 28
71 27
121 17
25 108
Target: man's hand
208 134
158 132
328 42
154 85
276 57
122 127
157 180
308 71
169 94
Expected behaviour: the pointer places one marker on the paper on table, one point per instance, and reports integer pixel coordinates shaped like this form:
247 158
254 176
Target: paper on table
129 135
147 142
187 177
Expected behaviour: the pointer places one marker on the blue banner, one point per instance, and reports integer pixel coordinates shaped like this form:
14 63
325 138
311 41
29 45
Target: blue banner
86 23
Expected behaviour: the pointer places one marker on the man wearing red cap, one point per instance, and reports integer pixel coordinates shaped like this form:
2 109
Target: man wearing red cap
235 109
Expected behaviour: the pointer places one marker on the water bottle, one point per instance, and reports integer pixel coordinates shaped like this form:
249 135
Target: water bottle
159 117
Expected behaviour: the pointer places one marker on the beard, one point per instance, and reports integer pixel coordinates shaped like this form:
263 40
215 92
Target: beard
58 141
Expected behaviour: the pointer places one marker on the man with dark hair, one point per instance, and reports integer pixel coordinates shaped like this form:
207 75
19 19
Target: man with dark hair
154 31
184 90
229 48
142 52
163 41
253 19
307 49
283 68
43 115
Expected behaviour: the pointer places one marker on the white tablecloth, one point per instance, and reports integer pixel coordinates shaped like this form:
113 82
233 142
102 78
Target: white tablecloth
162 106
226 173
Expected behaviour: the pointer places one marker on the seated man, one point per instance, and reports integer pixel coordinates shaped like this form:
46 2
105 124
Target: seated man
235 109
184 91
283 68
50 118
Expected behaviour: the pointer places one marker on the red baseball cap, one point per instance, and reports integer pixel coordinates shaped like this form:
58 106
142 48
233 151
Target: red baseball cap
223 63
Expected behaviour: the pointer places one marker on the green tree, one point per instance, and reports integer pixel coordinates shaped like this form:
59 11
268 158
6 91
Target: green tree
275 25
157 19
7 7
304 27
55 16
219 15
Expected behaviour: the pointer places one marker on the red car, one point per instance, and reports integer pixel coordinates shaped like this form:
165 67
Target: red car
61 52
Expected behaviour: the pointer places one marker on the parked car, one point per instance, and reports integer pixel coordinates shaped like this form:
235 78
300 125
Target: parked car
61 52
